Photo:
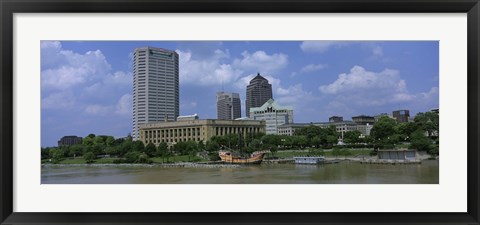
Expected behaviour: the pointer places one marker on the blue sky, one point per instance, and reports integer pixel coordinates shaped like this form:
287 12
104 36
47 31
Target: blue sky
86 86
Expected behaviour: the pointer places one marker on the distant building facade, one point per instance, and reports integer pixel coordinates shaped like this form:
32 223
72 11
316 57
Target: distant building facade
363 119
402 116
259 91
341 127
229 106
69 140
273 114
196 130
290 129
188 117
155 86
334 119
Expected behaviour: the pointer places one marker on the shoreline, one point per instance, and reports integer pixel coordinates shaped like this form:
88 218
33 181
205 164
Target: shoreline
201 165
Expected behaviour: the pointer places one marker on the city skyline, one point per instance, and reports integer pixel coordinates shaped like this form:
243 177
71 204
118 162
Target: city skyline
87 85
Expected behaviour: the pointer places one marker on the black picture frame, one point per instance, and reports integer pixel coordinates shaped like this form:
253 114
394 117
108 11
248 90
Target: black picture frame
9 7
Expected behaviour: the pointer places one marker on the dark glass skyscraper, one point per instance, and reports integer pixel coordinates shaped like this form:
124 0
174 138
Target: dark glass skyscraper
259 91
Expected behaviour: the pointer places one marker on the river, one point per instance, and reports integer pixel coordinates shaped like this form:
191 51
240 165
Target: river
341 173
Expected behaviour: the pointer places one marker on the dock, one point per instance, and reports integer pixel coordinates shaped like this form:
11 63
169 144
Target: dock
389 161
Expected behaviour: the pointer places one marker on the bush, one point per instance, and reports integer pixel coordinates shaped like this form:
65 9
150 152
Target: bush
89 157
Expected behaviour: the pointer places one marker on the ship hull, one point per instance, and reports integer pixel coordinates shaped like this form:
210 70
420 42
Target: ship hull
230 159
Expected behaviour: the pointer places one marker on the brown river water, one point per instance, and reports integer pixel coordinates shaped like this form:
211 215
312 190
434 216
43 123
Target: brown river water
341 173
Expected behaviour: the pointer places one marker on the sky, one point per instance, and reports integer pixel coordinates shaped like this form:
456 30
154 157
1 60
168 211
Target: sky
86 86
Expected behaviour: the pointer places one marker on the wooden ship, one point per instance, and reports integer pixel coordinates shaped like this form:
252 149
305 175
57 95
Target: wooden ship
232 157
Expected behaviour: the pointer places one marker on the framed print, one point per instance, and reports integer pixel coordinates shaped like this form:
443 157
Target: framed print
237 112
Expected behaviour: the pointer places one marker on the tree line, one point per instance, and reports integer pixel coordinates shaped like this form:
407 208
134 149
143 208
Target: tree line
421 134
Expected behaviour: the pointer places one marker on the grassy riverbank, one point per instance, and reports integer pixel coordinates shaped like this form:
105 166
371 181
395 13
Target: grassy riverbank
185 158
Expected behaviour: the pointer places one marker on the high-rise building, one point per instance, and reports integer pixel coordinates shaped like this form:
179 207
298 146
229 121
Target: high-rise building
259 91
228 106
155 87
273 114
401 115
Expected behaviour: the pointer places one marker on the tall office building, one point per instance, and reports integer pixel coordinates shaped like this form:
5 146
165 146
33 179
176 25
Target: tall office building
228 106
259 91
155 87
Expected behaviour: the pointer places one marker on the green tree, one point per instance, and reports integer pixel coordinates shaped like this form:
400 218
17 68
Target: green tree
57 154
132 157
271 140
383 131
89 157
421 142
212 146
352 137
75 150
45 153
428 121
150 149
88 140
191 150
309 131
126 146
299 141
201 146
143 158
109 141
405 130
316 141
231 140
163 151
99 140
256 144
138 146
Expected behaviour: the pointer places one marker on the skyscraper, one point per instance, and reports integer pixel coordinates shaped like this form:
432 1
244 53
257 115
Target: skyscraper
155 86
259 91
228 106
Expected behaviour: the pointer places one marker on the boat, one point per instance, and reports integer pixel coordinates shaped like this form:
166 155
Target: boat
232 157
309 160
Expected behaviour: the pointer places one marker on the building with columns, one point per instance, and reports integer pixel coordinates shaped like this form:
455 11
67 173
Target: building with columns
196 130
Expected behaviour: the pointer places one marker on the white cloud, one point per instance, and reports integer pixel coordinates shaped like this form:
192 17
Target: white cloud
367 88
321 46
58 100
79 80
208 71
293 95
261 62
62 69
377 51
313 67
98 110
119 78
124 105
